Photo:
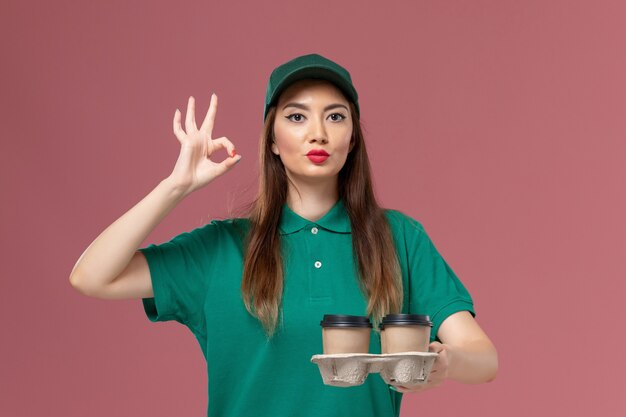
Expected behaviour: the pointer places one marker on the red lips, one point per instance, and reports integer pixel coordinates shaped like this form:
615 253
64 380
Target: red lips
317 156
319 152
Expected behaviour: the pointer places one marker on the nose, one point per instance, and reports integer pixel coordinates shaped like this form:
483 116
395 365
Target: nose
318 132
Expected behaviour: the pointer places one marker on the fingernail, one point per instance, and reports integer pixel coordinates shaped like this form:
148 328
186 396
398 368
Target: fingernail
234 153
391 387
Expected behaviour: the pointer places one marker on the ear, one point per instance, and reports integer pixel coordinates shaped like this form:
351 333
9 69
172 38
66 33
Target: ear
351 145
275 148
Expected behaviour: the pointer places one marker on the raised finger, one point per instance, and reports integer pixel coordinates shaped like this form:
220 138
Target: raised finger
209 119
178 130
190 117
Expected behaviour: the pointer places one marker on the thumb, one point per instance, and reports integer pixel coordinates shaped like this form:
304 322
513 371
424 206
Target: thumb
436 347
228 163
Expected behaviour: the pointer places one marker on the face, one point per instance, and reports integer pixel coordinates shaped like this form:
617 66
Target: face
312 118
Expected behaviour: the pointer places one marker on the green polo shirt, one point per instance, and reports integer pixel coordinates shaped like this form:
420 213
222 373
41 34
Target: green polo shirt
196 279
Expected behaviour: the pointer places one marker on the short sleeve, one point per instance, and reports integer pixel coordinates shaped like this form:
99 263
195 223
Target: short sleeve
434 288
179 270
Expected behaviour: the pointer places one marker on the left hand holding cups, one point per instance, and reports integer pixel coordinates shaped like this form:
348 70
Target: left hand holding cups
438 373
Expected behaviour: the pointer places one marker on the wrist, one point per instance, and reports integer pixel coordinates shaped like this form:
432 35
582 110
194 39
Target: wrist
450 352
174 189
472 363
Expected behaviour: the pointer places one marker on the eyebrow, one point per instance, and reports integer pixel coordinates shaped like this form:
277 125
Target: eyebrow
305 107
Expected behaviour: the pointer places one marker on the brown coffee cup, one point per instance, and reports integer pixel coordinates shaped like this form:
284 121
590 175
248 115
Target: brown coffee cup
345 334
405 333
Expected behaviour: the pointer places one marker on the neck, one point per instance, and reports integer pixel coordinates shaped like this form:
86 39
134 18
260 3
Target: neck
312 200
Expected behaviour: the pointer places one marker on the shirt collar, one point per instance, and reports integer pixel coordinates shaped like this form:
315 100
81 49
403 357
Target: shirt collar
336 220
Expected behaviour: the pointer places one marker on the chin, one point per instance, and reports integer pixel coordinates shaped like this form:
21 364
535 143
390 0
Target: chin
316 173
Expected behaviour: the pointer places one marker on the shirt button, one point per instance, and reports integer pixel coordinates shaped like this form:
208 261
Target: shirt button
314 230
318 264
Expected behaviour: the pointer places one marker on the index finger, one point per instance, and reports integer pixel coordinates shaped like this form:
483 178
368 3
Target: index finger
209 120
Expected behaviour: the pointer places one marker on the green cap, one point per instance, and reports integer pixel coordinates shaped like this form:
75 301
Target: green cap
309 66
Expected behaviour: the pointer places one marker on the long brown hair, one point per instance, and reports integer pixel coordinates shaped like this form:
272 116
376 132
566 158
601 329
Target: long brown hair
379 271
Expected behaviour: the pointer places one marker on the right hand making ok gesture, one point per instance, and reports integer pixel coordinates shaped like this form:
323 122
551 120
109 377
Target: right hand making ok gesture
194 168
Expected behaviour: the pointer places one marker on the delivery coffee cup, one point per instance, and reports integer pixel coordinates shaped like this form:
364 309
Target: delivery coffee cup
345 334
405 333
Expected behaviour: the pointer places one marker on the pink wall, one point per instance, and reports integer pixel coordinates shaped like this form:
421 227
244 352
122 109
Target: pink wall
500 125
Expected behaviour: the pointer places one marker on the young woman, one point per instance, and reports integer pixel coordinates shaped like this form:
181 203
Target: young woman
253 290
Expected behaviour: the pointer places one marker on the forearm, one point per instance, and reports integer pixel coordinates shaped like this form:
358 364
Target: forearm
473 363
111 251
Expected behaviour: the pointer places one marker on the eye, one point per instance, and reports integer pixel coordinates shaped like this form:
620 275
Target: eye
293 115
342 117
